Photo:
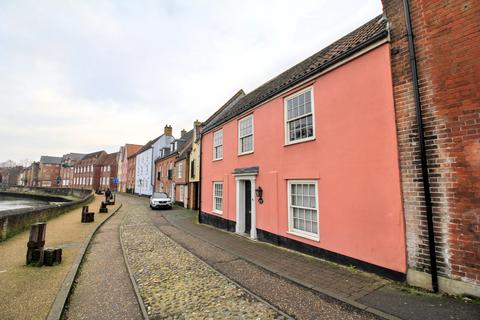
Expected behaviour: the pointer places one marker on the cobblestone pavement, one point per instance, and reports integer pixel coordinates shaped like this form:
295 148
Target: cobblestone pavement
274 273
173 283
103 289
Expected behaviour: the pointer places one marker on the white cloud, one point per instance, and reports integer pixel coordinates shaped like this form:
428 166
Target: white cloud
78 76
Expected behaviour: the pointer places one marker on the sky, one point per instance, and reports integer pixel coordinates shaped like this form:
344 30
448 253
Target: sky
82 76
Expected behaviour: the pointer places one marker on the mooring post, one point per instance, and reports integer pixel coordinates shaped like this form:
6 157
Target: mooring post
36 242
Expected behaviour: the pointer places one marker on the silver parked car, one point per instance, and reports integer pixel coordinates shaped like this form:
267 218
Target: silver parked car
160 200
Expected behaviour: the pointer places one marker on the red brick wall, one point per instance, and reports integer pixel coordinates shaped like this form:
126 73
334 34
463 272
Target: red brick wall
447 40
48 174
163 165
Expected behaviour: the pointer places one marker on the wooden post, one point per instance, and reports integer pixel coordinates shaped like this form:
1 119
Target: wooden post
36 242
103 207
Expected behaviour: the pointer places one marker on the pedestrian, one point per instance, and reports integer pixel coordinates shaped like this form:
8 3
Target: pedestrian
108 195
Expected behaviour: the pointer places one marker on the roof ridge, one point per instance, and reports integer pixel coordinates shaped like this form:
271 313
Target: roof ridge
373 30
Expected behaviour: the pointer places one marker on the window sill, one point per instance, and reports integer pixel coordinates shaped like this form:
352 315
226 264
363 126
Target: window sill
217 212
245 153
304 235
217 159
299 141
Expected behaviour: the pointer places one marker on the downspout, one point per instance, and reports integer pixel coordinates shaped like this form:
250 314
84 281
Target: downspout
200 180
423 154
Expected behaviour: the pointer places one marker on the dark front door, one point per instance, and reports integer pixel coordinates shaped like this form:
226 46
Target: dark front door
248 206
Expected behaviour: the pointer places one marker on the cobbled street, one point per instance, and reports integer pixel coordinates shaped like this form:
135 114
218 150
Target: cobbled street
176 284
173 283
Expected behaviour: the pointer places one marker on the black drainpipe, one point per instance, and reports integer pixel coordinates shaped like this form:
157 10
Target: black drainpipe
200 180
423 154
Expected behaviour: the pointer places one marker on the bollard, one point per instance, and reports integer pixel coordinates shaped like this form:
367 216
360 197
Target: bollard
52 256
103 207
35 243
87 216
84 214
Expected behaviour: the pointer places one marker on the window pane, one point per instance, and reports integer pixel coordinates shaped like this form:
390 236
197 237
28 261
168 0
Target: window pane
303 196
301 100
308 107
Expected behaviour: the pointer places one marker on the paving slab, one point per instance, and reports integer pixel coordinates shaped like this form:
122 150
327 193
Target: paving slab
29 292
103 289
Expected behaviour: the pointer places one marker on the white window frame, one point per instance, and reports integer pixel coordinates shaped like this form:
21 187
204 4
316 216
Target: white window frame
217 146
291 229
180 170
286 120
214 209
182 193
240 137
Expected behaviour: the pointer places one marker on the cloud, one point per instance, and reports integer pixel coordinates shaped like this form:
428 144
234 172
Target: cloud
78 76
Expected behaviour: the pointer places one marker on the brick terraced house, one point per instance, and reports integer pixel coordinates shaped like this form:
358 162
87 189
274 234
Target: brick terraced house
66 169
108 172
86 172
165 170
31 175
49 173
181 172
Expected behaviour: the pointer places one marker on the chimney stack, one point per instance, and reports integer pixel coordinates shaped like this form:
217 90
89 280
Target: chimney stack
183 132
168 130
197 125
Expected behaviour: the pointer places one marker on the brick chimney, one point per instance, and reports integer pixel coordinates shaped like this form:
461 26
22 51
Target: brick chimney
168 130
183 132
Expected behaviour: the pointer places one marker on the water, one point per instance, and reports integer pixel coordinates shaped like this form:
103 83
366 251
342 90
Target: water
9 202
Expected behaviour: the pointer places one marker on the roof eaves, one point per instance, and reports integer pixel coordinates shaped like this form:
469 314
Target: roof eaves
323 66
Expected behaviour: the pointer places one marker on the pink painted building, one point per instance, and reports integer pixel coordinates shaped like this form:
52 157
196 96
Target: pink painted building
318 144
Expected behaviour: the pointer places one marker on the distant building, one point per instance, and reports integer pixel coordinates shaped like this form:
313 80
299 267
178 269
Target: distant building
66 169
144 179
131 165
31 175
123 157
49 174
108 172
181 174
194 167
9 176
86 171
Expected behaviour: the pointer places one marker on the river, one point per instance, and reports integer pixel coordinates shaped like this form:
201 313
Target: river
11 202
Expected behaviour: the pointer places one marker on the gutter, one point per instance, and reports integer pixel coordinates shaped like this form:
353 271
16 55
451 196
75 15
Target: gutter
423 154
